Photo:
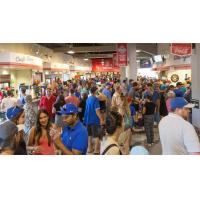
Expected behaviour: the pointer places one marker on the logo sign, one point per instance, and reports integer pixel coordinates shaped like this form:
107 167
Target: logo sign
122 54
103 65
181 49
174 78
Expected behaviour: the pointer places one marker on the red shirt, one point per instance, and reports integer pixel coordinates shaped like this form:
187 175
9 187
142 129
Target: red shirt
47 104
72 99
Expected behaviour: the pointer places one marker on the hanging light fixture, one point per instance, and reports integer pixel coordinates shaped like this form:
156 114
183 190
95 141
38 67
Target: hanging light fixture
70 49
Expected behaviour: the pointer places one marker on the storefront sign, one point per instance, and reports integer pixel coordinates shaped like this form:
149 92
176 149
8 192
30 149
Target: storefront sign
103 65
5 78
122 54
181 49
60 66
80 68
17 59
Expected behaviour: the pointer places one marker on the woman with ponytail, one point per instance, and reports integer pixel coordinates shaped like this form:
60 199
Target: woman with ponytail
114 127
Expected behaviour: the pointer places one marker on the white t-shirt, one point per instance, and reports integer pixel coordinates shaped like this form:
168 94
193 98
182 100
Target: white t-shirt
8 102
107 141
177 136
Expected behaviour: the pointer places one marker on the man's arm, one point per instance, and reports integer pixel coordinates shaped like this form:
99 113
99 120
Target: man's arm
100 116
65 150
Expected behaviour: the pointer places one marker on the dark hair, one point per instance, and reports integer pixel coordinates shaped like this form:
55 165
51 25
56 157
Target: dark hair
60 100
113 120
72 91
23 90
179 84
149 84
9 93
149 97
38 132
93 89
135 84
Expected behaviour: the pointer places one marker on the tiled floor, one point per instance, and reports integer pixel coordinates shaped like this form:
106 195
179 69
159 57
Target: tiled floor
141 137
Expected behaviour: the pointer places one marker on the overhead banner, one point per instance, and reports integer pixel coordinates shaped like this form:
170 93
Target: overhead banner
181 49
103 65
122 54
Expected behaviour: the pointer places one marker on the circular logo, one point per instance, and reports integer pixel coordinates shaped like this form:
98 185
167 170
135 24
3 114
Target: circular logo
174 78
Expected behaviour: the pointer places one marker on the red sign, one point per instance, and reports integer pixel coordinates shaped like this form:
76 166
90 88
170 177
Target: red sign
103 65
181 49
122 54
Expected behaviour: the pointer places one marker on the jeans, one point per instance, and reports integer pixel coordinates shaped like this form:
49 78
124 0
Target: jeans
157 117
148 125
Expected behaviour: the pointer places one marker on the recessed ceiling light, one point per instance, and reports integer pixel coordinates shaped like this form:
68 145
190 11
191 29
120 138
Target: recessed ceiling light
71 52
138 51
85 59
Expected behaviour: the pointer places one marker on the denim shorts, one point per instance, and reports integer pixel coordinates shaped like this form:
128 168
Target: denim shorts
94 130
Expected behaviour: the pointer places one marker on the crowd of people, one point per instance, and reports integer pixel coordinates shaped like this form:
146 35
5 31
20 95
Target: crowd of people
99 116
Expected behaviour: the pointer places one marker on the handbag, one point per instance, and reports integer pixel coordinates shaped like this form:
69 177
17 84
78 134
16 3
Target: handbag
127 122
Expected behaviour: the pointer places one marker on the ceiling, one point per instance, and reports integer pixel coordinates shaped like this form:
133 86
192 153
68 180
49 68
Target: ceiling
100 50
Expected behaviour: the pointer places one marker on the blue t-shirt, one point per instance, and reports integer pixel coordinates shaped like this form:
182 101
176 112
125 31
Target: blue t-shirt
132 108
22 100
107 93
178 93
75 138
90 116
155 96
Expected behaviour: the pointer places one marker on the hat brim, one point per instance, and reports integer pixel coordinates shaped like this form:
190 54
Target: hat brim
189 105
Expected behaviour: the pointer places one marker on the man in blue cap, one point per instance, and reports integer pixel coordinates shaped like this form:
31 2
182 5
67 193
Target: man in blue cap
74 137
11 133
178 91
177 135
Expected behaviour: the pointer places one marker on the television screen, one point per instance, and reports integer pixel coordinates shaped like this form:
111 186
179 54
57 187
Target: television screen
158 58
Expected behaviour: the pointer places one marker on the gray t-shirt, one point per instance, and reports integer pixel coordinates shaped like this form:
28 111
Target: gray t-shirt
178 136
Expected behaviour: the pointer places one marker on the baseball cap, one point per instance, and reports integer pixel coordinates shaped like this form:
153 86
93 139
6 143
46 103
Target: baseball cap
108 84
69 109
180 102
139 150
8 129
13 112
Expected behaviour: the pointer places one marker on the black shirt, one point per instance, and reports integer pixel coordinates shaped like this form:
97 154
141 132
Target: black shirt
150 108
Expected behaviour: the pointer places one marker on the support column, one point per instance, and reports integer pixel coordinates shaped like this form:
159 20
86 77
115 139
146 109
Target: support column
132 66
122 73
195 84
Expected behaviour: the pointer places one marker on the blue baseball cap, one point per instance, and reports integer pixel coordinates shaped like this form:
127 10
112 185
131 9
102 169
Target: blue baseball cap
180 102
139 150
12 112
69 109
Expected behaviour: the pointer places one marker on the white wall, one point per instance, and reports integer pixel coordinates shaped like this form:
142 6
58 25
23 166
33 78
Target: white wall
148 72
196 84
180 73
